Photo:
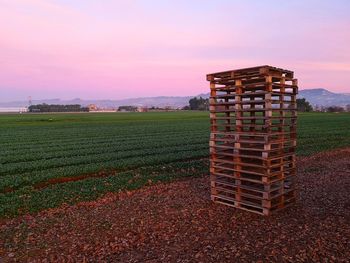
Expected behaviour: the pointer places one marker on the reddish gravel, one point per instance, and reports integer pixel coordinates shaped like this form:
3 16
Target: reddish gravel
177 222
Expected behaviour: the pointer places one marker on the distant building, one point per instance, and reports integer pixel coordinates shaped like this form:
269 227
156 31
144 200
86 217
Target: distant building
13 109
142 109
92 107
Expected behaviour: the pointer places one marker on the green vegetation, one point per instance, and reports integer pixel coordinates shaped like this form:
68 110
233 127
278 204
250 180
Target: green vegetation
303 105
198 104
43 155
319 132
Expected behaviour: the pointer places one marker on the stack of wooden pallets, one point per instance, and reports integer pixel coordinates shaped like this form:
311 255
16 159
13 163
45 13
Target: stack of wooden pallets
253 138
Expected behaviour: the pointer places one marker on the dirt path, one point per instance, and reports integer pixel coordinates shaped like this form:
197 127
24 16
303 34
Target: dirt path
177 222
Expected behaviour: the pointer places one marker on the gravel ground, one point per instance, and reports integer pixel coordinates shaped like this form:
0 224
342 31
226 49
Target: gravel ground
177 222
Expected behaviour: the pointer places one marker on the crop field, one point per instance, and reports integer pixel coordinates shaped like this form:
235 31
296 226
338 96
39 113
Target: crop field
50 159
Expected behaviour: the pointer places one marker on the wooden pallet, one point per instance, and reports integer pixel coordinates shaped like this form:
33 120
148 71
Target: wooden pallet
253 138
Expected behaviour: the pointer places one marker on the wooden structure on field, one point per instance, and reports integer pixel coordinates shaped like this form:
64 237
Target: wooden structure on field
253 138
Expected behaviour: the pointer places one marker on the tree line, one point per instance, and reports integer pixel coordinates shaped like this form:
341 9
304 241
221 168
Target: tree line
197 104
302 106
57 108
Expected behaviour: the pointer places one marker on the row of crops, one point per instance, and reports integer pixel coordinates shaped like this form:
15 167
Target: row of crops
36 150
41 154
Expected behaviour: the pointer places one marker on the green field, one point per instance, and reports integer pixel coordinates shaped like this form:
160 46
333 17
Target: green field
50 159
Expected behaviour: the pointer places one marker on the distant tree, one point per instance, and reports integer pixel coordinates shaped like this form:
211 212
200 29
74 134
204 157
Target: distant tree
57 108
303 105
127 108
199 103
186 107
335 109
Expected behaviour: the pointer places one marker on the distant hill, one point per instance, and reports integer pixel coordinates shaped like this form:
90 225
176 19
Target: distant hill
161 101
321 97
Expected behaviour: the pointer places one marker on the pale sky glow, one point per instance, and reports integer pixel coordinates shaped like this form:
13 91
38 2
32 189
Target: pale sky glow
94 49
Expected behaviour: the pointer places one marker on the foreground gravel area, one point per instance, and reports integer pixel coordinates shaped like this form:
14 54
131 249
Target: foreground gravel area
177 222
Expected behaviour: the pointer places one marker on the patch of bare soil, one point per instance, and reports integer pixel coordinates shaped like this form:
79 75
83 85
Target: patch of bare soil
177 222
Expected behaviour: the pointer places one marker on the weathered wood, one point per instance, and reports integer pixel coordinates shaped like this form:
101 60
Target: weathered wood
253 138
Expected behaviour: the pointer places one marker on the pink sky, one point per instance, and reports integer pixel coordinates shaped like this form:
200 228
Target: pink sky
95 49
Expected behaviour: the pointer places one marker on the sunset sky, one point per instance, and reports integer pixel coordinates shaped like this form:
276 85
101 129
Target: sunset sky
104 49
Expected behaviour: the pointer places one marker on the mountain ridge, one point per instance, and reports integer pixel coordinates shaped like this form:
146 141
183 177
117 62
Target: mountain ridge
318 96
